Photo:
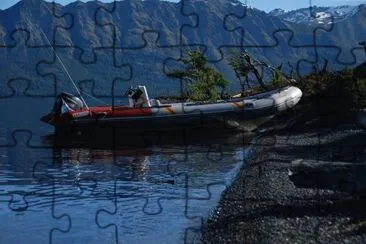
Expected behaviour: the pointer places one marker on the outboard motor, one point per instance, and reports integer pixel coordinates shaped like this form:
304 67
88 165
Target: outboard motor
66 102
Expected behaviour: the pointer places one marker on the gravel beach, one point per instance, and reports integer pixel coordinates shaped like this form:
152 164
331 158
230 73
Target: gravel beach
265 206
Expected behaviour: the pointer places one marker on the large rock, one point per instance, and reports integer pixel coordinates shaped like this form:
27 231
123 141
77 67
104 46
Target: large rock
338 176
360 71
362 117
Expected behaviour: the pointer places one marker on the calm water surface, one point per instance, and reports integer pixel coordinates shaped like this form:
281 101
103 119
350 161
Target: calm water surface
95 194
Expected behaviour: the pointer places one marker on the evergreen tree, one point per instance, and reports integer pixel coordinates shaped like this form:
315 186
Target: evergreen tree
202 81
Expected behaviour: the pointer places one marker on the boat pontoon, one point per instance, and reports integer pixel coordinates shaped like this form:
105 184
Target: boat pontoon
70 112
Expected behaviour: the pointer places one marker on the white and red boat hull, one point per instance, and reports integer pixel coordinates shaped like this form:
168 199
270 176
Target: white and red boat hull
167 116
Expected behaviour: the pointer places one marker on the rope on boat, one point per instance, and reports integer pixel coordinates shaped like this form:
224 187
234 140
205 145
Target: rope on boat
63 66
79 92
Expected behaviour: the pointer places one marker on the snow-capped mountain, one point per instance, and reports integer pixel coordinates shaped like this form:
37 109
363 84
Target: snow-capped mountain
317 15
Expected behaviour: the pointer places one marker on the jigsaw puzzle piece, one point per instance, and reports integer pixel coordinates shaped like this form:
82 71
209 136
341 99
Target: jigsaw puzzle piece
110 16
21 75
178 64
72 184
40 17
147 71
106 27
142 16
324 59
159 194
83 177
20 153
58 28
34 216
25 43
272 55
59 24
15 129
338 57
81 73
126 218
329 26
28 199
14 87
330 59
199 207
319 33
72 202
242 24
85 22
31 199
131 166
148 192
202 193
198 32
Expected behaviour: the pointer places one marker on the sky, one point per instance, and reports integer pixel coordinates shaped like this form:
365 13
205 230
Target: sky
265 5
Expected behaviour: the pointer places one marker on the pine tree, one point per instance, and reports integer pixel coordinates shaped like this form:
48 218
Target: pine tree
202 81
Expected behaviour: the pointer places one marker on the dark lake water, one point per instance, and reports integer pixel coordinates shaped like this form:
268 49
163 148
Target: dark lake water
155 192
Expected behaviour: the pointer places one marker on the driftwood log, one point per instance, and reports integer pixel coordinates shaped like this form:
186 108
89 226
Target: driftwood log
339 176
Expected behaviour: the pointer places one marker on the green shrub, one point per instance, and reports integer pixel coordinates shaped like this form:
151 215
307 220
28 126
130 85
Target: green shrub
279 80
341 88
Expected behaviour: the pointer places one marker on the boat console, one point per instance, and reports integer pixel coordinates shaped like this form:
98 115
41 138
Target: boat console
138 97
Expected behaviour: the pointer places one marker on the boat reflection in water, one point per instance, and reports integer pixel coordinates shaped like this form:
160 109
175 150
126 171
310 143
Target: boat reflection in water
144 156
103 164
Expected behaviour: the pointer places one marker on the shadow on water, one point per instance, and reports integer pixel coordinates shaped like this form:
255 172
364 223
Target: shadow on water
112 138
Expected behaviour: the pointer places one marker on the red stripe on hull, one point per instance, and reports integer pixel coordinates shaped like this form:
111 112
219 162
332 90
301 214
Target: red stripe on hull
120 111
97 112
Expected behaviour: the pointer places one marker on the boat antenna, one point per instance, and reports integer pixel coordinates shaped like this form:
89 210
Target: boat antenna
63 66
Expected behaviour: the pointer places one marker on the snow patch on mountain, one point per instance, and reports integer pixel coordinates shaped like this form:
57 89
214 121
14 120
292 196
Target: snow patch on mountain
316 15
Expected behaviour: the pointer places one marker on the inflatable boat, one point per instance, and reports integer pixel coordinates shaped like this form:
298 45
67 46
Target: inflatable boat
142 113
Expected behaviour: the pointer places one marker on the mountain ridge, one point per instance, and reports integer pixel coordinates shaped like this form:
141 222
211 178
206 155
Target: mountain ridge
138 41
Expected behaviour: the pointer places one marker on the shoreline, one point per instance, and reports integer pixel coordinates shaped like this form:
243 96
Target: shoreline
264 205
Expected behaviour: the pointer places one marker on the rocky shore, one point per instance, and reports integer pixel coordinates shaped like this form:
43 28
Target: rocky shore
265 205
